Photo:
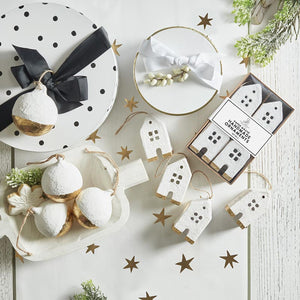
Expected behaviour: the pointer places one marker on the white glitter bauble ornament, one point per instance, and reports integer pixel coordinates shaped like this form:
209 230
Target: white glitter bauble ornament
93 207
35 113
52 219
61 181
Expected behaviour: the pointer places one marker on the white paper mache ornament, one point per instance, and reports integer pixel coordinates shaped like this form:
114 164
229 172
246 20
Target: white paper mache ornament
93 207
35 113
52 219
61 181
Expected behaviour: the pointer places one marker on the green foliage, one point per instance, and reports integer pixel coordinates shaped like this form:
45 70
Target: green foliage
90 292
262 46
17 177
242 11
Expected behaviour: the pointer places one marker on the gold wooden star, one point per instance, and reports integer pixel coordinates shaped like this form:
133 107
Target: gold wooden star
229 259
246 61
161 217
20 257
92 248
225 96
125 152
130 103
147 297
93 136
185 264
131 264
205 21
115 47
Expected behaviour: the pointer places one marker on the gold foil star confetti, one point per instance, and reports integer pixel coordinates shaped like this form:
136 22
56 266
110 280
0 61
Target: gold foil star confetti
20 257
185 264
115 47
130 103
225 96
246 61
131 264
93 136
92 248
147 297
125 152
229 259
205 21
161 217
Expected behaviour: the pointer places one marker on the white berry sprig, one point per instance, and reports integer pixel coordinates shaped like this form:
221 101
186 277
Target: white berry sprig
161 79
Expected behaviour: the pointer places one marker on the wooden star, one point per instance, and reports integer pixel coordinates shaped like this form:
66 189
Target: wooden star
205 21
20 257
225 96
130 103
185 264
115 47
93 136
131 264
229 259
125 152
92 248
147 297
246 61
161 217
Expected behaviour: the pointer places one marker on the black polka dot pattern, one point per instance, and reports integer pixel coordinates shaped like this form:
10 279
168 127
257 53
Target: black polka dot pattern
90 108
55 18
41 143
76 123
93 65
16 28
17 133
26 14
40 38
55 45
74 33
102 91
94 26
8 92
16 58
114 68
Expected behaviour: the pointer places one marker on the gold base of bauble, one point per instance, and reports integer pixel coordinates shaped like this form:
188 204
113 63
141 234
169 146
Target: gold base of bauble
81 219
63 198
68 223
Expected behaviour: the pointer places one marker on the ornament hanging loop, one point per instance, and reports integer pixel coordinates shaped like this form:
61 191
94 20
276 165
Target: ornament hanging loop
128 118
39 82
267 181
57 156
210 194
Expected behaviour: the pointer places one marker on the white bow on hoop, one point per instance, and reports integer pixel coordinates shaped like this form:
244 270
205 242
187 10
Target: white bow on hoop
157 56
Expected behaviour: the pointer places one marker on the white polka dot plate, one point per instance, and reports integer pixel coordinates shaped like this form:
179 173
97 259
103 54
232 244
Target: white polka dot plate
55 31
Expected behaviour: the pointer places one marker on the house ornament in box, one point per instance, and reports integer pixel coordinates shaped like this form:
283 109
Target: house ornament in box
250 204
175 180
196 216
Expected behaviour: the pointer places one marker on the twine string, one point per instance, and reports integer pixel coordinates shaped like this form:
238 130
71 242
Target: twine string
39 82
165 162
128 118
113 163
267 181
28 213
46 160
210 194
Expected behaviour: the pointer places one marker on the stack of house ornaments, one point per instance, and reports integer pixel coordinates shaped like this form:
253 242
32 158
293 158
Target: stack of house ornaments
59 197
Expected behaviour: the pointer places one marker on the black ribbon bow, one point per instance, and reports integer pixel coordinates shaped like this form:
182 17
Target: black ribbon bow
66 90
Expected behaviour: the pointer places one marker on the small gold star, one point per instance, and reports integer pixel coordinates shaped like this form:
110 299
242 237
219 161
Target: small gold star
205 21
130 103
229 259
93 136
125 152
225 96
185 264
161 217
115 47
147 297
92 248
246 61
131 264
20 257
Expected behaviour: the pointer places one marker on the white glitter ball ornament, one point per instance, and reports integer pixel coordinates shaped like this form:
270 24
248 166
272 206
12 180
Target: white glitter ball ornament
93 207
52 219
61 181
35 113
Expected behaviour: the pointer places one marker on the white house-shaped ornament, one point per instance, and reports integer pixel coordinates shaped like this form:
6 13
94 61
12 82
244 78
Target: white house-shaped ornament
209 142
248 98
154 136
175 181
251 204
230 160
269 115
194 219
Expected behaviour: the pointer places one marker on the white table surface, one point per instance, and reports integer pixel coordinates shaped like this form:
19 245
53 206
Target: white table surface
271 246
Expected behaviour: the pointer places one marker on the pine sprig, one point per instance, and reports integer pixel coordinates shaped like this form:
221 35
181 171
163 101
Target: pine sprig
242 11
262 46
90 292
16 177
